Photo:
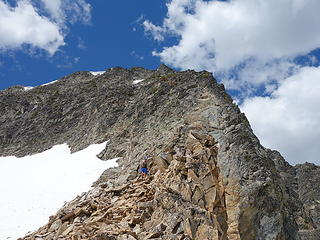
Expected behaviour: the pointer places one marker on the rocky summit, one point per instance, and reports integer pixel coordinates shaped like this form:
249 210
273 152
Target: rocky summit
210 177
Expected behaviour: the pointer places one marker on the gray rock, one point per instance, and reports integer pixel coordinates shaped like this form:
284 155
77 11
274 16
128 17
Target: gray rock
213 178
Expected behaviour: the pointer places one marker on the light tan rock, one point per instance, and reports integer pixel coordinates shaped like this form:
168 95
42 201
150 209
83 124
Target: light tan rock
205 232
192 176
208 181
55 225
210 197
62 228
67 231
161 163
190 228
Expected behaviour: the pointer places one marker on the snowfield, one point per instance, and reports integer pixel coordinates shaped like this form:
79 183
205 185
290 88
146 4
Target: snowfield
34 187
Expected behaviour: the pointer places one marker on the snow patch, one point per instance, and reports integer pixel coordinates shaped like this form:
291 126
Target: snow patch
137 81
27 88
34 187
97 73
49 83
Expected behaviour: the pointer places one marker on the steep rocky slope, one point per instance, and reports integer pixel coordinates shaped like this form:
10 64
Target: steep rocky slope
211 177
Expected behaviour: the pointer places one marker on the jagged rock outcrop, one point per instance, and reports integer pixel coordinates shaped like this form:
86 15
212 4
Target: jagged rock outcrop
211 177
188 198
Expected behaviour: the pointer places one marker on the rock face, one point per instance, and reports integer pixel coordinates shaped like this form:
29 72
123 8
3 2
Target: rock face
211 178
309 193
303 193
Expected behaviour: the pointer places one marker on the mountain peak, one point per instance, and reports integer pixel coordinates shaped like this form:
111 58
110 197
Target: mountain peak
164 69
210 177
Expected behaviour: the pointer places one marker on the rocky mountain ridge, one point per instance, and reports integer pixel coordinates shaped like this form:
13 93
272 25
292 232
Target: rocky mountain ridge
211 177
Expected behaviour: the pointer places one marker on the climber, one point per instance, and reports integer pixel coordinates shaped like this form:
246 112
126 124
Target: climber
144 167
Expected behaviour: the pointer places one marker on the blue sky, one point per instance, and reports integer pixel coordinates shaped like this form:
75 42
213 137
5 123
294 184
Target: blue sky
266 53
113 37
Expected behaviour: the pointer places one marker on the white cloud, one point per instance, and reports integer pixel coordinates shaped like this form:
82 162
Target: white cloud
289 120
255 73
68 10
219 36
76 10
23 25
54 8
157 32
44 28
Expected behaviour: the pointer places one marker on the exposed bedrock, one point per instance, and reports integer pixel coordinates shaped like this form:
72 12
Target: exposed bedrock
211 178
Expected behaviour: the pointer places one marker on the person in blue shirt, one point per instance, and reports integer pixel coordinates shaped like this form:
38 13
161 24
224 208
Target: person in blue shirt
144 167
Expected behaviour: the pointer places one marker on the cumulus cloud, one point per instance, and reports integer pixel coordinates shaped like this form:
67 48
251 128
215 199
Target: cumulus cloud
289 120
223 35
45 28
23 25
254 73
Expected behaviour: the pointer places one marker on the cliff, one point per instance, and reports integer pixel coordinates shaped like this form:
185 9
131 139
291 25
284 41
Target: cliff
211 178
